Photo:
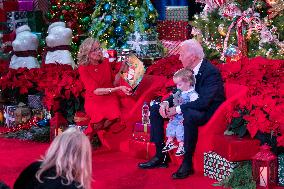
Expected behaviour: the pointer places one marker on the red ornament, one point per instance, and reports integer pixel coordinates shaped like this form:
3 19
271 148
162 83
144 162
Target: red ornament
264 168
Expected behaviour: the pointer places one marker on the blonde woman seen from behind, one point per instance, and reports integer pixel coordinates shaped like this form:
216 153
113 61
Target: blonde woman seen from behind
67 164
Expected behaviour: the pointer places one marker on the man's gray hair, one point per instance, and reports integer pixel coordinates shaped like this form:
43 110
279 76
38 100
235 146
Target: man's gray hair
194 47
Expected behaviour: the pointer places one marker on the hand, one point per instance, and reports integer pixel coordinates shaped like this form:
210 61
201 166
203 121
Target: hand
171 112
126 90
164 107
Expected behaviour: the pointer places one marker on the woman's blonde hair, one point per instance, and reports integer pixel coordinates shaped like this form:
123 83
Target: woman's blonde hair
70 154
84 50
186 75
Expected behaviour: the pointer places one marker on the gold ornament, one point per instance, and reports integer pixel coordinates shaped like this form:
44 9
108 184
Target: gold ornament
222 30
276 9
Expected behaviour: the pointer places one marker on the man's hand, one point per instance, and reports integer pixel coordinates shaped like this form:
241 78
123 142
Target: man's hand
164 107
171 111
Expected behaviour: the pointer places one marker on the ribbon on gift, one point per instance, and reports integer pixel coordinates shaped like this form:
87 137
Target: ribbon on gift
137 42
145 126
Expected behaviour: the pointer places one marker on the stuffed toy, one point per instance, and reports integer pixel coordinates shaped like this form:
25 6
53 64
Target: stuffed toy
58 44
24 49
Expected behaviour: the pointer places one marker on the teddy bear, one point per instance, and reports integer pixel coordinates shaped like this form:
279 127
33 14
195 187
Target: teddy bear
58 43
24 49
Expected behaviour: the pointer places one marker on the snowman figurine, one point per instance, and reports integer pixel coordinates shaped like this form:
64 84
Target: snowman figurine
25 49
58 44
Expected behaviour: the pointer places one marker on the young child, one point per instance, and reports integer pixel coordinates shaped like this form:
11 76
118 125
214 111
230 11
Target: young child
185 81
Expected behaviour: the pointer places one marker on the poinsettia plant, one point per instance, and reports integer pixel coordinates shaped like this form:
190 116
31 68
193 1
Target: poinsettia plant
55 81
264 105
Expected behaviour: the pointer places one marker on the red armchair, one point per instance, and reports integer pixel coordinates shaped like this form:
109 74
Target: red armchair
217 124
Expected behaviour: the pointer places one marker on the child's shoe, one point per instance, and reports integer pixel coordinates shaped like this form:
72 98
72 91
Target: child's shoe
169 146
180 151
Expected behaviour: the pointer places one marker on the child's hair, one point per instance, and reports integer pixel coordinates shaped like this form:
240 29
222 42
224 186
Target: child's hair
186 75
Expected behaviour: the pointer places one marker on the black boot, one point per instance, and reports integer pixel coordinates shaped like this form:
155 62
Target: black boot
155 162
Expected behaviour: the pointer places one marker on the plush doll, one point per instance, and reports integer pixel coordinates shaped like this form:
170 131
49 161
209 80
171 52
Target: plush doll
25 49
58 44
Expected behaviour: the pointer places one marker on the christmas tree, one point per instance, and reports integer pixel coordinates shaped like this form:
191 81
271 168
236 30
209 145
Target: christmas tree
76 14
239 28
114 20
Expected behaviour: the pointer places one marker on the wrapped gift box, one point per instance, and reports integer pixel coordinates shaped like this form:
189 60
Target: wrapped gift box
9 114
139 127
140 149
144 45
232 147
173 30
8 5
141 132
39 113
26 5
217 167
35 101
281 169
16 19
177 13
172 47
22 114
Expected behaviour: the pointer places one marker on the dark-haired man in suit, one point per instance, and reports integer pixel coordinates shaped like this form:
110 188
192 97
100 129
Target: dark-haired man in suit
209 86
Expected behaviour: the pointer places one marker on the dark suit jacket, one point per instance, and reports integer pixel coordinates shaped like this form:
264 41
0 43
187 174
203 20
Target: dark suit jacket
209 86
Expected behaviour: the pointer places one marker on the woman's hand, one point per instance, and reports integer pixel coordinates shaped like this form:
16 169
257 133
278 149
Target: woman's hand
126 90
124 67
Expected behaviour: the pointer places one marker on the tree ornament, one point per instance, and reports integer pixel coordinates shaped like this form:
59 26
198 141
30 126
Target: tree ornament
233 53
108 18
61 17
49 16
222 30
119 30
53 7
86 20
107 7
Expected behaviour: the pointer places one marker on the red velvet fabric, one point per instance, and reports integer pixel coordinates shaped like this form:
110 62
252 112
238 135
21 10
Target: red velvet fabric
234 148
217 124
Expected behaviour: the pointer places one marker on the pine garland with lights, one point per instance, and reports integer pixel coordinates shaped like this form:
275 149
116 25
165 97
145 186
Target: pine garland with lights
264 39
77 16
114 20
